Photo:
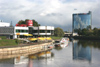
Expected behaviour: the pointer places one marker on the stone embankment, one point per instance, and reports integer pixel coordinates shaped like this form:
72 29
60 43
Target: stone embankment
11 52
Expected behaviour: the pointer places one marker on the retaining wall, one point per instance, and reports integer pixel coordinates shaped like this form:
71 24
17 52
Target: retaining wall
23 50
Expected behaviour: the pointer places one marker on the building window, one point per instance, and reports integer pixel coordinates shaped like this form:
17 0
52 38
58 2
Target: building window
35 31
17 31
52 32
42 31
21 31
26 31
48 31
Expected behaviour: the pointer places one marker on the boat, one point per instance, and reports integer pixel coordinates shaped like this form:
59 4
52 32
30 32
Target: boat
62 42
57 43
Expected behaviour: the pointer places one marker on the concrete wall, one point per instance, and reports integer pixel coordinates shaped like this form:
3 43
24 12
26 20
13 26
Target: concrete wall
22 51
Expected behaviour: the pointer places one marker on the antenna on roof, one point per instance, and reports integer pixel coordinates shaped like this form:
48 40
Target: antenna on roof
11 24
1 20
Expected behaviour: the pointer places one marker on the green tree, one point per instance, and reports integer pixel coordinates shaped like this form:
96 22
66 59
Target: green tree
84 31
58 32
95 31
79 32
21 22
35 23
89 27
99 32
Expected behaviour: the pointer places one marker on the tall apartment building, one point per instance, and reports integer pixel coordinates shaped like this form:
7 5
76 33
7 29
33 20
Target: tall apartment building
81 21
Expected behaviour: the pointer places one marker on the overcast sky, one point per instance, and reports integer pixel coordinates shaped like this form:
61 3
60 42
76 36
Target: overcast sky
57 13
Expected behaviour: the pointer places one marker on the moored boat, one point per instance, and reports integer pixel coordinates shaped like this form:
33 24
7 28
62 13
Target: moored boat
63 42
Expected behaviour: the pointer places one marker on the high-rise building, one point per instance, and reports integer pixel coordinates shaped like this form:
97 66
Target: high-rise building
81 21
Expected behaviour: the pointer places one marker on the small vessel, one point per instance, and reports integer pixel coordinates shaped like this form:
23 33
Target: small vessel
57 43
63 42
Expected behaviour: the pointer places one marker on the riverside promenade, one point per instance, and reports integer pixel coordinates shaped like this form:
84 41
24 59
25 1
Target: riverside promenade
23 50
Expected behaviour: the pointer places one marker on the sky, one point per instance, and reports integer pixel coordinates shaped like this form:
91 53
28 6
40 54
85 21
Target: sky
57 13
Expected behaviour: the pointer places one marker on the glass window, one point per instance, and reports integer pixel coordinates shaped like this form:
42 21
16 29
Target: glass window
48 31
26 31
52 32
35 31
22 30
16 30
81 21
42 31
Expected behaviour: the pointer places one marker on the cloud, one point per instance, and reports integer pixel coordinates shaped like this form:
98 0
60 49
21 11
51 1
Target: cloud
48 12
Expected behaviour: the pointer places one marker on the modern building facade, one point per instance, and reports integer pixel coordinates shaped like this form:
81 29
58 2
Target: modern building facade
81 21
14 32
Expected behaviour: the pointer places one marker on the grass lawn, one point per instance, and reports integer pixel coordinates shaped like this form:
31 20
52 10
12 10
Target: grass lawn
55 38
8 42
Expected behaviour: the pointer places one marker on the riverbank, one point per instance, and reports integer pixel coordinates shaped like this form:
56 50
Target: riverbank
24 44
23 50
16 42
86 37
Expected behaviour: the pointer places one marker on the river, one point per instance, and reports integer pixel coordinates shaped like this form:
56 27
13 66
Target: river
78 53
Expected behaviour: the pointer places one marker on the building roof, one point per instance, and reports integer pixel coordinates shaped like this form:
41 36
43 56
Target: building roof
4 24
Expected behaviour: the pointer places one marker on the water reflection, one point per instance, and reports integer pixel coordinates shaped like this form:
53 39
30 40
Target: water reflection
80 52
25 61
21 61
42 55
61 46
58 48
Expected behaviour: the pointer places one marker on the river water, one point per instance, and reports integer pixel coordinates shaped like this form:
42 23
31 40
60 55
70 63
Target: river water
78 53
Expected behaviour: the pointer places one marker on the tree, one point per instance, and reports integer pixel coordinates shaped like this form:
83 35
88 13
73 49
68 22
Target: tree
21 22
95 31
58 32
84 31
35 23
89 27
79 31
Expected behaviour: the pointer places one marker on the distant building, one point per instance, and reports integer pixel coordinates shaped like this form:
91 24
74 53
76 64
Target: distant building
4 24
81 21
